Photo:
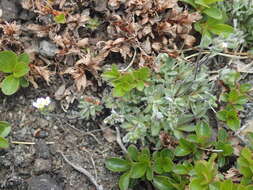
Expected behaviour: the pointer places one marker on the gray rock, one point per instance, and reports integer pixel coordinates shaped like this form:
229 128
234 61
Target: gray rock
47 49
42 165
9 9
43 182
26 15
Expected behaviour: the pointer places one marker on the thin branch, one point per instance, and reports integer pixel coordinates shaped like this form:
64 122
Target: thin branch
119 141
211 150
83 171
131 62
28 143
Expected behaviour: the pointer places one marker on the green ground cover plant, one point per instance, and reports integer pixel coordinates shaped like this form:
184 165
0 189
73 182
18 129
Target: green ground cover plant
176 101
213 21
160 169
16 67
235 97
170 100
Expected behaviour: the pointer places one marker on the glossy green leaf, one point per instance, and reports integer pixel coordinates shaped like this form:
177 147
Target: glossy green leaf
133 152
195 184
202 3
158 165
20 69
10 85
149 174
209 2
138 170
24 58
180 169
5 128
3 143
112 74
167 164
222 115
182 151
221 29
117 164
162 183
8 60
213 12
124 181
203 130
144 156
233 122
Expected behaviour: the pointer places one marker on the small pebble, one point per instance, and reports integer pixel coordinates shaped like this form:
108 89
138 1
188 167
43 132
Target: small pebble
47 49
43 182
42 165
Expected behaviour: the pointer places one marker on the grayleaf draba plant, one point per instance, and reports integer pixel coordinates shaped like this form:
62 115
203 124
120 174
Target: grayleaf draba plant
172 99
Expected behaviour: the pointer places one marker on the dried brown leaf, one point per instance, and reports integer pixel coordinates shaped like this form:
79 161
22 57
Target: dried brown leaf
43 72
80 81
189 40
83 42
165 4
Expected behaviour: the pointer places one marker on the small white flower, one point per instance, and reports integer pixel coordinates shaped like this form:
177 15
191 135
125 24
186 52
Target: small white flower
41 103
224 45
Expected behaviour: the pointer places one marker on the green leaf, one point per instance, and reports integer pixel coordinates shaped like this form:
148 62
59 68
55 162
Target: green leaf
209 2
158 165
5 128
221 29
3 143
185 147
24 58
142 73
149 174
213 12
112 74
10 85
124 181
8 60
118 92
133 152
167 153
117 164
162 183
233 122
202 3
222 135
144 156
222 115
227 149
60 19
182 151
140 85
203 130
180 169
195 184
167 164
138 170
20 70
